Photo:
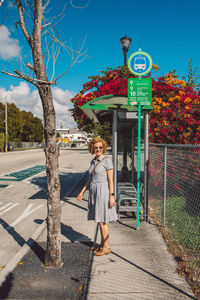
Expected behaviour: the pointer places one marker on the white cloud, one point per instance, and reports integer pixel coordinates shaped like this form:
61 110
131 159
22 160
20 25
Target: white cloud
8 47
28 100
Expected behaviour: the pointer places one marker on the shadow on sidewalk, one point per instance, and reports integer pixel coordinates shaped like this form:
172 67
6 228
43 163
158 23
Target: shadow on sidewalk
67 200
70 184
154 276
6 287
67 231
75 236
21 241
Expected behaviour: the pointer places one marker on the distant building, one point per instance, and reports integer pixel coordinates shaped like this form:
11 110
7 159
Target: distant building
74 135
62 131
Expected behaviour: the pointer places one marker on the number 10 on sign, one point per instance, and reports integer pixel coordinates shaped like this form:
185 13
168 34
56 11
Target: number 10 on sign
139 91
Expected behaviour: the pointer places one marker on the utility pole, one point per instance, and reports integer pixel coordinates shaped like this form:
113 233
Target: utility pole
6 126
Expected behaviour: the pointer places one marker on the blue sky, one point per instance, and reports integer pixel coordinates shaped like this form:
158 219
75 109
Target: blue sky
167 30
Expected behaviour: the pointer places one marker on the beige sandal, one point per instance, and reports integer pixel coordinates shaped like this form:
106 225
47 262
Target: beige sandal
96 248
103 251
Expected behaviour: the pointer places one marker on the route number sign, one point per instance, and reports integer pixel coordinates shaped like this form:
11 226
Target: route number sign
139 91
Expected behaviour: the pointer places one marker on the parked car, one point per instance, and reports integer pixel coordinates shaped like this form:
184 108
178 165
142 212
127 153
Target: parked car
73 145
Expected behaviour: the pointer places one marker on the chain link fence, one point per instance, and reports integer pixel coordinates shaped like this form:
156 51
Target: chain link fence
11 146
174 198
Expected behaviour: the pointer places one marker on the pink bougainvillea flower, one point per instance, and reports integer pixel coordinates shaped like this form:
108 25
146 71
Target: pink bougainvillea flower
177 187
156 183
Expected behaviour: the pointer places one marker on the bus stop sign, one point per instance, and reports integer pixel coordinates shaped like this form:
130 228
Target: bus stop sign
140 63
139 91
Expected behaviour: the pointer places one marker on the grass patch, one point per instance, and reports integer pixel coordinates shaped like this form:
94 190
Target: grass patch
182 236
186 227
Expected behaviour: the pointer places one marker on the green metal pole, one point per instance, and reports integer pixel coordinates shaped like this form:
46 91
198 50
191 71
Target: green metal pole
138 168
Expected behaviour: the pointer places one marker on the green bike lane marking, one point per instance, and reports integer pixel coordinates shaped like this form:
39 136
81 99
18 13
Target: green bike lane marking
24 174
8 179
3 185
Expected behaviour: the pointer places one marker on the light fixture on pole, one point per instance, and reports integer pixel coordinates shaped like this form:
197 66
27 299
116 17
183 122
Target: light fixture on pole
125 44
6 126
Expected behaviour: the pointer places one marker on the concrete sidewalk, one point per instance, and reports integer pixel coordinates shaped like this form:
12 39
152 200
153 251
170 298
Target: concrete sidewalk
139 266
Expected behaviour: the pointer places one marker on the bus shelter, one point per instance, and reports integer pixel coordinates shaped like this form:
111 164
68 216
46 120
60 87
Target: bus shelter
124 144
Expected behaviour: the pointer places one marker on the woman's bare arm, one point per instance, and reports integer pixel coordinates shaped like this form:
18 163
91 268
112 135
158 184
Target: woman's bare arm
111 187
80 196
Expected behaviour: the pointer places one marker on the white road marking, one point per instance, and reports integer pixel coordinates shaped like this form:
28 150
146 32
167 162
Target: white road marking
25 214
9 208
6 205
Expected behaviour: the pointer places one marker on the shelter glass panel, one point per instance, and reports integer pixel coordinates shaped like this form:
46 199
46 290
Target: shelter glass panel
127 147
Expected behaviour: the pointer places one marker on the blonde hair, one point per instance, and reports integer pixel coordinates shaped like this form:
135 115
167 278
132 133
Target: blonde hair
94 141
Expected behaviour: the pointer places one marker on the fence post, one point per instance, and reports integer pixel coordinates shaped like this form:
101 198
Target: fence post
165 184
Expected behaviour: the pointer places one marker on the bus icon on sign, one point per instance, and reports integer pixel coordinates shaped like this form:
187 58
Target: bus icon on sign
140 63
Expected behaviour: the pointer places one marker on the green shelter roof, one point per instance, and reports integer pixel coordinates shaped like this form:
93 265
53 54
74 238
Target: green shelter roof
108 103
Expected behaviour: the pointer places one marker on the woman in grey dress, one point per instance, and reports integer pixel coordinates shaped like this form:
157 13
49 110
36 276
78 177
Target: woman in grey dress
101 202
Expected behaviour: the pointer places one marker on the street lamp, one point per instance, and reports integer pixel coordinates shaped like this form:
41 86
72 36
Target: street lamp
125 44
6 126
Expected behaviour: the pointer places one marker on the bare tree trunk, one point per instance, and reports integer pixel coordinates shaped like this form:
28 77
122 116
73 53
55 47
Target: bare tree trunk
35 15
53 250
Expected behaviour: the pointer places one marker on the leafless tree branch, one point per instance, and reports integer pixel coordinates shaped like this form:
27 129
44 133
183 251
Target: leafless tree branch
60 16
64 46
75 61
30 66
38 15
67 69
21 77
22 21
25 77
39 18
79 7
1 2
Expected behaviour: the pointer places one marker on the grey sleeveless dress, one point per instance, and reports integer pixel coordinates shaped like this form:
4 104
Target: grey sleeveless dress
99 194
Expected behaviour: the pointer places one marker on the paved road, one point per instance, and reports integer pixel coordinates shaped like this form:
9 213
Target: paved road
23 202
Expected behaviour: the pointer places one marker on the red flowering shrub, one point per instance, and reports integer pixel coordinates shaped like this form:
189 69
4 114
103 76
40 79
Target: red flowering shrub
175 118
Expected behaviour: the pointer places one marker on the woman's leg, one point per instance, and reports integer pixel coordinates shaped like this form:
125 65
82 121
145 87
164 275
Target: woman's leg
105 240
104 234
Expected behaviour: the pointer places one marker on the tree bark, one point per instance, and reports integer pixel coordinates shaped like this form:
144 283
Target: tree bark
40 80
53 248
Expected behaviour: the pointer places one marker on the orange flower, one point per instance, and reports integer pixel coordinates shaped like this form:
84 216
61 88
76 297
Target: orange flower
181 93
165 104
188 100
165 123
155 67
